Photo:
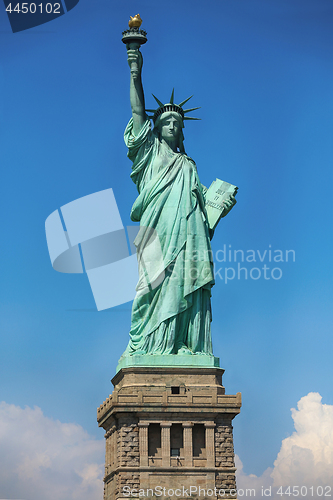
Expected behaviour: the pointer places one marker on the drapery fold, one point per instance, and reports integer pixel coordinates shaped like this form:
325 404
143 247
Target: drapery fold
173 313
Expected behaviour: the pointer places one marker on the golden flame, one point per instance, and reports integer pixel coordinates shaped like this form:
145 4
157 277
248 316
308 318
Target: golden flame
135 22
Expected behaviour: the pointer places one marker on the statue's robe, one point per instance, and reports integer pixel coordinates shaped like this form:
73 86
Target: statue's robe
173 312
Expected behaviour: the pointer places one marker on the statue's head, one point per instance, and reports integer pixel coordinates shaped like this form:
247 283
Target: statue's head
169 119
169 124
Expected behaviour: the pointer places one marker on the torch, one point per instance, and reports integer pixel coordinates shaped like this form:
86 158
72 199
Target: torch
134 37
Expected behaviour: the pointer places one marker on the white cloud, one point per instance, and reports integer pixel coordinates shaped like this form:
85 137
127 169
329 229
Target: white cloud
305 458
45 459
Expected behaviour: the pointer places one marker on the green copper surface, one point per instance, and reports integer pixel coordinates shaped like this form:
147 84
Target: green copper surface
168 360
171 314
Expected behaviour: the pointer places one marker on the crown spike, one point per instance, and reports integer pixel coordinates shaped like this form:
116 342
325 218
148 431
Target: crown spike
191 109
172 96
158 101
190 118
182 103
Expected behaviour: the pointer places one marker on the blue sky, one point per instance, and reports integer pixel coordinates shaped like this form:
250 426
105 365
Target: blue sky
262 72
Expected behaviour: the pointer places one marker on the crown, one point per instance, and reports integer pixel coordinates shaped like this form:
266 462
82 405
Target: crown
171 106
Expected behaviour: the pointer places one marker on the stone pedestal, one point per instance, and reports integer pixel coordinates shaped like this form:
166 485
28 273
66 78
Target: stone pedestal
169 428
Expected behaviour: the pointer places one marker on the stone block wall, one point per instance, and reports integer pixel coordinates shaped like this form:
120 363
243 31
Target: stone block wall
224 454
128 479
128 444
224 444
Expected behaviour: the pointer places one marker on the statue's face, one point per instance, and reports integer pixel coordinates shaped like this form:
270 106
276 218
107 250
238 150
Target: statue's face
170 126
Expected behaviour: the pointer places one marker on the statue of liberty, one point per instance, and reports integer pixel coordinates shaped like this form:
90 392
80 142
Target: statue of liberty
172 315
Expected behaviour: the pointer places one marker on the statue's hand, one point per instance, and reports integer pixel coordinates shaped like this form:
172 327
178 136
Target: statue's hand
228 204
135 61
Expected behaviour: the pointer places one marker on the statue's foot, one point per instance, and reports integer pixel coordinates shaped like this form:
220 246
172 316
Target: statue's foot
184 351
202 354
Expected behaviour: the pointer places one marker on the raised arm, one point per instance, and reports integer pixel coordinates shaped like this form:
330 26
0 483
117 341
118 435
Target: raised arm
136 90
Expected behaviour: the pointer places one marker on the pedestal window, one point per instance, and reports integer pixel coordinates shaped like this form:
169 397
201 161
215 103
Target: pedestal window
154 445
176 444
199 445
